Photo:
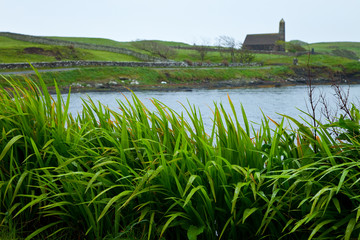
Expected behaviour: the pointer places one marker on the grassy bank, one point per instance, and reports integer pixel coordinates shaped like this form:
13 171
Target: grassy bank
146 78
137 174
153 76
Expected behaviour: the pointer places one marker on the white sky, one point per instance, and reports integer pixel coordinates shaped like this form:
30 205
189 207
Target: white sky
191 21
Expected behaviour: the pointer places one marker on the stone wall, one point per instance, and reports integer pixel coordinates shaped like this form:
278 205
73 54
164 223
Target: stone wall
216 49
48 41
64 64
280 53
204 64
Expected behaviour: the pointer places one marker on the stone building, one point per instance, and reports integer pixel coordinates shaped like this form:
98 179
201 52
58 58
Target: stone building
266 42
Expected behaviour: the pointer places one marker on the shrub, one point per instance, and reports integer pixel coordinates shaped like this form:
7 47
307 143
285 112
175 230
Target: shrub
188 62
225 63
294 47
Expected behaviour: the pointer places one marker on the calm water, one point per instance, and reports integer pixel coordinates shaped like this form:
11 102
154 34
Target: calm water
272 101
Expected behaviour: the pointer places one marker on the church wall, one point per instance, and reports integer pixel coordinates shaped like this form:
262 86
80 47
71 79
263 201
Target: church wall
261 47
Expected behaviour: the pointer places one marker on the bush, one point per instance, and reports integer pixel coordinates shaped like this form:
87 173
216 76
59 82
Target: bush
294 47
188 62
225 63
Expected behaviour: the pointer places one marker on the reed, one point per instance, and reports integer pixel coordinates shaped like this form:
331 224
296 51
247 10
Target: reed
138 174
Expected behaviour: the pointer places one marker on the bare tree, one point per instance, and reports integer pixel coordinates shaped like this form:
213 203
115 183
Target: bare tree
238 53
202 49
312 104
229 44
155 48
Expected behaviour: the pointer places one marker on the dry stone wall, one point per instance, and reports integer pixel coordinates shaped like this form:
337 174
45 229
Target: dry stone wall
65 64
214 49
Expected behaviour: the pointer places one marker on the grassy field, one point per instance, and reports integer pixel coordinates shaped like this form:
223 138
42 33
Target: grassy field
268 59
97 41
12 51
193 55
138 174
315 60
112 43
12 43
327 47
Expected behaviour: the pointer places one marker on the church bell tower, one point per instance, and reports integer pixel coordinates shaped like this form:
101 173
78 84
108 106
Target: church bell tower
282 30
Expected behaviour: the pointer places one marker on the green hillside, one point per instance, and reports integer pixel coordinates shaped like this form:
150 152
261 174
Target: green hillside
169 43
96 41
19 51
113 43
328 47
181 54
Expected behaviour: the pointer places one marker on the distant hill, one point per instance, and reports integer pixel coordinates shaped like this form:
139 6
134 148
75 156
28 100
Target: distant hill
299 42
113 43
96 41
12 50
329 47
334 48
54 48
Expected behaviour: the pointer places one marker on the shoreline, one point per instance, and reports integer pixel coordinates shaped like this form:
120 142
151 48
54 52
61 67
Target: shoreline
184 79
227 84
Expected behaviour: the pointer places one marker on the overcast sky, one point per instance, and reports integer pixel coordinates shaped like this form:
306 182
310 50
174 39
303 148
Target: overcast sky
191 21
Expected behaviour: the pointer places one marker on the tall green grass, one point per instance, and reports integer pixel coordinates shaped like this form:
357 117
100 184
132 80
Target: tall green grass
138 174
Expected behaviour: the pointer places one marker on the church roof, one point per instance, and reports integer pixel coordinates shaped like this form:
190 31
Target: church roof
261 39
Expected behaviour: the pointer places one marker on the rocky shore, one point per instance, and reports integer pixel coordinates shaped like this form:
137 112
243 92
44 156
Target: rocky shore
133 85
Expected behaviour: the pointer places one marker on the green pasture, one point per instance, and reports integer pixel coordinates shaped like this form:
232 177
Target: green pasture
12 51
6 42
193 55
112 43
327 47
97 41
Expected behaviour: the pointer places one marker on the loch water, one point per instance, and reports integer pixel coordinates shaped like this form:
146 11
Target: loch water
273 102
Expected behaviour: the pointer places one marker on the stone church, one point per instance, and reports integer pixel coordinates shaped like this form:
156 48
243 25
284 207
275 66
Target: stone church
266 42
